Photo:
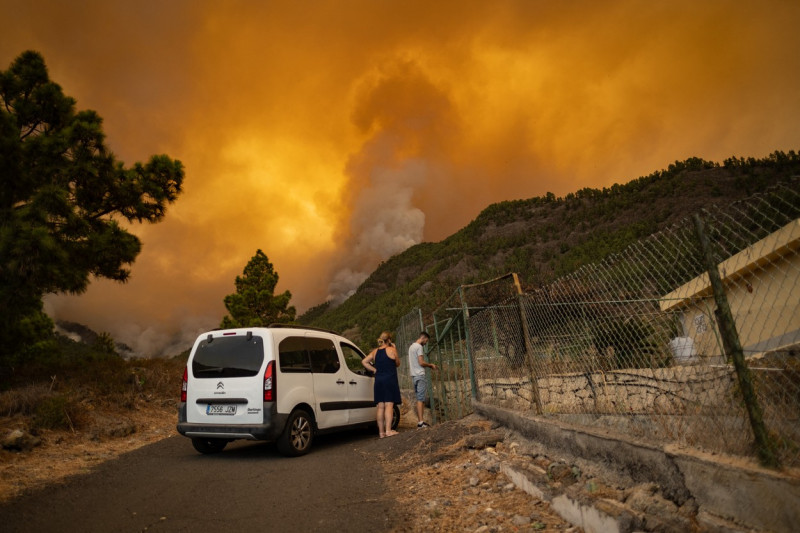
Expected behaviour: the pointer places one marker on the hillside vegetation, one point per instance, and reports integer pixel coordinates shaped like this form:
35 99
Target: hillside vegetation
543 238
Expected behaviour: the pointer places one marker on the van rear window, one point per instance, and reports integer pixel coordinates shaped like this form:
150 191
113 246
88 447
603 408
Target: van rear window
228 357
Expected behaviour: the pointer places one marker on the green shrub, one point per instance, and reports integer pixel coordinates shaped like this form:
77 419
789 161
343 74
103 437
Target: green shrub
55 412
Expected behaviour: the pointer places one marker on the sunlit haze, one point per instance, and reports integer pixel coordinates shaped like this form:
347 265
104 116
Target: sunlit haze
334 134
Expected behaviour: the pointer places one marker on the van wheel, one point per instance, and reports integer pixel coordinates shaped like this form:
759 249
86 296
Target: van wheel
297 435
395 417
208 445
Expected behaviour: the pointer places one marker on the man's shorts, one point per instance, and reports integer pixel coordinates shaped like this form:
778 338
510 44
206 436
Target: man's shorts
420 387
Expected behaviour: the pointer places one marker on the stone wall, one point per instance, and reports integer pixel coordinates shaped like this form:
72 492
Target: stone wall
675 390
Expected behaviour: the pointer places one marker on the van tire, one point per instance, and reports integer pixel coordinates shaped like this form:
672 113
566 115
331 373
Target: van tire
395 417
209 445
298 434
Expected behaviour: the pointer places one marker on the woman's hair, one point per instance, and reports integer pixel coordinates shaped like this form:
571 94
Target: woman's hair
385 338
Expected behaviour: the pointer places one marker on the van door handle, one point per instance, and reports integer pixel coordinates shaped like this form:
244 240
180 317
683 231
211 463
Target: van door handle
354 383
340 381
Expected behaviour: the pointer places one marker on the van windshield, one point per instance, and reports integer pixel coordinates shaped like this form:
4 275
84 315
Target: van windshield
228 357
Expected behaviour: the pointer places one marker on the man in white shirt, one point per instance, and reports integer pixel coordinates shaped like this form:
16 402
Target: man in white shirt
417 366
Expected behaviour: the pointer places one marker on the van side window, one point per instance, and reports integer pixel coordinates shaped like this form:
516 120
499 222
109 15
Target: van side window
324 359
352 358
292 355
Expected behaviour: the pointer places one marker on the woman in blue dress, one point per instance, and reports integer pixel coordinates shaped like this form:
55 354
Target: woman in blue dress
383 361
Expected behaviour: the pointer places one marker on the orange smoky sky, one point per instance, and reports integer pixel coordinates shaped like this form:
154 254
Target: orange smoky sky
334 134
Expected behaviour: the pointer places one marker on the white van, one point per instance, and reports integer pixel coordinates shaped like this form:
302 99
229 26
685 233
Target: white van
278 383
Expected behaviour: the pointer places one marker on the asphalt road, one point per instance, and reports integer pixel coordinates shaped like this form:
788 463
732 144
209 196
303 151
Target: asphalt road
167 486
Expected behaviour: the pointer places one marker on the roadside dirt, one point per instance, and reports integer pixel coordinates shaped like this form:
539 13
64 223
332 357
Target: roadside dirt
64 453
439 479
447 478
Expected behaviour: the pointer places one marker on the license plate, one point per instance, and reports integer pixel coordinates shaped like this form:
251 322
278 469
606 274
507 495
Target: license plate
220 409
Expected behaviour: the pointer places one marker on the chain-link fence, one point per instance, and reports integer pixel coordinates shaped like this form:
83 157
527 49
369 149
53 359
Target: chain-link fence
407 332
690 336
452 386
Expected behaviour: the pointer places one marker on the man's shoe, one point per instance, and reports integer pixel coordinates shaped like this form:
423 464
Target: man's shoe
423 425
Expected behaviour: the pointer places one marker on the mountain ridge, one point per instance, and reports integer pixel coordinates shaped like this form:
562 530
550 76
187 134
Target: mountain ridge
543 238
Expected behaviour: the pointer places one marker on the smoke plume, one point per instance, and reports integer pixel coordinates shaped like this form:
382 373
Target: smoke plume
333 134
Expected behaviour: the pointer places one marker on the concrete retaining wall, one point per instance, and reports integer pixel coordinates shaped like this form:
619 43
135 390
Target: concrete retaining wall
725 489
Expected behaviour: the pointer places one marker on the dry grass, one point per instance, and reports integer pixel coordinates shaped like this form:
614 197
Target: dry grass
64 453
71 410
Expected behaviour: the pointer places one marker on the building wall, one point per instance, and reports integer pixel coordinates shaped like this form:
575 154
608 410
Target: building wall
762 285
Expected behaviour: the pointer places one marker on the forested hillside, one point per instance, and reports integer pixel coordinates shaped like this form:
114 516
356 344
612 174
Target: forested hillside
543 238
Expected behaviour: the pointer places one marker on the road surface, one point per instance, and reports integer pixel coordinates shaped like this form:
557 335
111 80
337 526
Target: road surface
168 486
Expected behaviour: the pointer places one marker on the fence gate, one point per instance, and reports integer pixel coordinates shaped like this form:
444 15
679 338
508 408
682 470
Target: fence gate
451 388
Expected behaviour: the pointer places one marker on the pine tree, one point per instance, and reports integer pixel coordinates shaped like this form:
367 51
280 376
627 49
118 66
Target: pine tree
254 303
62 195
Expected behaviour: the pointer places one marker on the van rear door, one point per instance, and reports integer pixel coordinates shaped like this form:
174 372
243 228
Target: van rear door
226 376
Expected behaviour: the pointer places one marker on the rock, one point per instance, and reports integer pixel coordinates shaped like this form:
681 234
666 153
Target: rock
122 429
483 440
690 508
562 473
107 427
20 440
660 513
519 520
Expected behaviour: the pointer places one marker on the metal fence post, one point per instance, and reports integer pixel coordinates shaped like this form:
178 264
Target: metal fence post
537 401
431 391
472 379
733 348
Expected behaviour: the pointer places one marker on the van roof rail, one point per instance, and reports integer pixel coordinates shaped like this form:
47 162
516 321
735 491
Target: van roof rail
298 326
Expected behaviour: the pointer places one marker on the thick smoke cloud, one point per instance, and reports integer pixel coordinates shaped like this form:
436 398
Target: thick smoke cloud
334 134
383 223
405 118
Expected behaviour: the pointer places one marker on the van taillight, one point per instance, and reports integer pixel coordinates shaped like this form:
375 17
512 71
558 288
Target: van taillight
269 382
185 383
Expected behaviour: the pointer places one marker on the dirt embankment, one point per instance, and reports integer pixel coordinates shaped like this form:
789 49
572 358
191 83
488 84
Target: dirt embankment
51 455
80 414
